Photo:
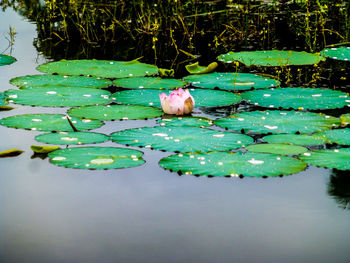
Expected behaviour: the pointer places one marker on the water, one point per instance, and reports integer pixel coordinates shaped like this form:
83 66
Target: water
146 214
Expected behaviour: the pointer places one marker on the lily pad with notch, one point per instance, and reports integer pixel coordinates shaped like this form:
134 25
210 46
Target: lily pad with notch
96 158
337 53
333 158
296 139
149 83
185 121
232 164
181 139
72 138
277 148
6 60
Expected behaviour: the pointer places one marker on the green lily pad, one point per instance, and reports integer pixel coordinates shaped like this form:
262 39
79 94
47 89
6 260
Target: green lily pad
298 98
48 122
116 112
336 158
166 73
6 60
196 69
271 58
58 96
149 83
181 139
203 98
72 138
10 153
99 68
43 149
232 164
231 81
31 81
278 122
338 53
296 139
338 136
345 119
185 121
277 148
96 158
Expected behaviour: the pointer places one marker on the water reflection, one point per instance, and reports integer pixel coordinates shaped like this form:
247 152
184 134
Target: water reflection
339 188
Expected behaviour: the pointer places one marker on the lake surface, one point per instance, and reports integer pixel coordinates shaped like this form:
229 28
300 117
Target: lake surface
147 214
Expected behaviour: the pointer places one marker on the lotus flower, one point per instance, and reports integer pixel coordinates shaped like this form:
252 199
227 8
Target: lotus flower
179 102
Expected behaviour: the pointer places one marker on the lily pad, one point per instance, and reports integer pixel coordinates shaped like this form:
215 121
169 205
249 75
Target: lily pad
195 68
345 119
336 158
6 60
72 138
31 81
296 139
278 122
298 98
338 136
271 58
99 68
185 121
338 53
58 96
181 139
277 148
231 81
48 122
96 158
149 83
203 98
116 112
232 164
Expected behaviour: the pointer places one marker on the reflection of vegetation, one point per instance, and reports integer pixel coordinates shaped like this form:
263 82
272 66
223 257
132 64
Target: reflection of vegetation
339 188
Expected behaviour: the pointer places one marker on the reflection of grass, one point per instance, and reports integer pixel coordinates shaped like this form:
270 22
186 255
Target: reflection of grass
339 188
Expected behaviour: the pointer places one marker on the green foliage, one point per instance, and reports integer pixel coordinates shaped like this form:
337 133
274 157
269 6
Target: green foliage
72 138
6 60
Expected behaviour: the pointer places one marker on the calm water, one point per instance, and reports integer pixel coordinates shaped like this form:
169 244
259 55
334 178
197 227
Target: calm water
146 214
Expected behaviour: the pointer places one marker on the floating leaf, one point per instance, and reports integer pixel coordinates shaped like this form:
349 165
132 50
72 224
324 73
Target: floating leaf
10 153
6 60
31 81
100 68
277 148
116 112
338 53
58 96
271 58
232 164
72 138
3 103
48 122
338 136
196 69
166 72
337 158
43 149
345 119
298 98
149 83
296 139
278 122
203 98
96 158
182 139
231 81
185 121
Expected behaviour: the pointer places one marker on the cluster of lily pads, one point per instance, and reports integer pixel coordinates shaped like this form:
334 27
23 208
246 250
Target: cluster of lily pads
280 140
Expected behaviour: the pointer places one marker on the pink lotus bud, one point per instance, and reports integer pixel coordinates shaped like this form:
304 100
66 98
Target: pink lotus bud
179 102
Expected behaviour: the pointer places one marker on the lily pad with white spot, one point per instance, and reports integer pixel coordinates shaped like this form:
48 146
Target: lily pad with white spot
277 148
345 119
149 83
272 58
72 138
116 112
296 139
49 122
335 158
231 81
6 60
181 139
338 136
202 97
58 96
278 122
99 68
298 98
232 164
96 158
338 53
185 121
31 81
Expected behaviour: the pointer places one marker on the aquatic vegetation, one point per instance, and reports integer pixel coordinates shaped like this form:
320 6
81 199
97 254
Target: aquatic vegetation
179 102
338 53
296 139
72 138
338 136
149 83
195 68
39 149
6 60
10 153
185 121
333 158
277 148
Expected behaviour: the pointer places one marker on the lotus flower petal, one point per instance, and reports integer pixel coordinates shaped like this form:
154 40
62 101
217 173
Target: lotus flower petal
179 102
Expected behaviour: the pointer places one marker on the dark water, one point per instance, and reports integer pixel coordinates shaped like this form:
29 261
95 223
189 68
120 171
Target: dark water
146 214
